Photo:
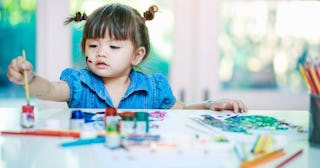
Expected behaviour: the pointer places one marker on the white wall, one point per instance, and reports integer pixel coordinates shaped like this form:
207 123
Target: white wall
53 42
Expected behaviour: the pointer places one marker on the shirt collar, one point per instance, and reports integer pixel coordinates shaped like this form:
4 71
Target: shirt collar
94 83
138 82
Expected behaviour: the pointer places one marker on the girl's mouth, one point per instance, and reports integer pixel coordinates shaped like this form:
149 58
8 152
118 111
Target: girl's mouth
101 65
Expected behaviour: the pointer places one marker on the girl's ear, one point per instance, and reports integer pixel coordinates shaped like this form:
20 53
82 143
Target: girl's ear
140 53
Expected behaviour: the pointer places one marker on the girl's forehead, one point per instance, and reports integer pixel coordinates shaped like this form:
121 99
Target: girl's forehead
107 32
107 36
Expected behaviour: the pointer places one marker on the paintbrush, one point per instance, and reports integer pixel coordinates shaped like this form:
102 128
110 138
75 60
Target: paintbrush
26 83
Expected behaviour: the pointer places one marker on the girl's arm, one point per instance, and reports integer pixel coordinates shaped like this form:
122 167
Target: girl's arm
38 86
223 104
46 90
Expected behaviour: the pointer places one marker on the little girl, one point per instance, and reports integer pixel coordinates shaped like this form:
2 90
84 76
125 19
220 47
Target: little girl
115 40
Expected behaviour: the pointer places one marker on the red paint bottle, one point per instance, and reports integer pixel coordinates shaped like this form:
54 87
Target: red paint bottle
111 117
27 116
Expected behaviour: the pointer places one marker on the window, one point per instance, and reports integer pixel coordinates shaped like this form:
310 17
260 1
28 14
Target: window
261 43
230 49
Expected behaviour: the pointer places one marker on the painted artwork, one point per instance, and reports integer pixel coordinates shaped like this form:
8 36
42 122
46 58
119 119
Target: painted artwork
247 124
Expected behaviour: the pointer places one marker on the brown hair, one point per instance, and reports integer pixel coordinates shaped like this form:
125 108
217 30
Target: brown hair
123 22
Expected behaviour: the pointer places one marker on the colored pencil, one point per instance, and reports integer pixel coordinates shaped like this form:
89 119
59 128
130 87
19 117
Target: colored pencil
238 148
314 77
290 158
258 146
73 134
261 144
310 81
26 83
255 144
317 68
264 158
304 76
87 141
267 144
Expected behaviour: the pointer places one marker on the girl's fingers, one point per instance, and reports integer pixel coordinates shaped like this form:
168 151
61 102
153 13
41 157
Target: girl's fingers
16 69
240 107
15 76
243 108
218 108
235 106
14 65
20 65
23 64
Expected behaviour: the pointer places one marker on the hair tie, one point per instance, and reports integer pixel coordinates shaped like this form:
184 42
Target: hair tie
149 14
77 18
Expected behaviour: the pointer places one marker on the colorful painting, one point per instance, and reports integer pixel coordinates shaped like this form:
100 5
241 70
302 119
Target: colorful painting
248 123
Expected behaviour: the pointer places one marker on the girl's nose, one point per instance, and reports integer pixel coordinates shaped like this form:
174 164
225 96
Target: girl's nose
101 52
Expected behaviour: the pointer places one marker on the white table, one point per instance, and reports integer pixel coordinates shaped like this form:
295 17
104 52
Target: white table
30 151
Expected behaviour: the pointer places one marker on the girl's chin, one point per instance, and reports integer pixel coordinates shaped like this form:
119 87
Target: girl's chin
100 72
98 68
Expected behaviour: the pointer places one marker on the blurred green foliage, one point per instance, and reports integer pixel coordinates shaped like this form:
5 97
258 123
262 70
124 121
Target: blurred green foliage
17 32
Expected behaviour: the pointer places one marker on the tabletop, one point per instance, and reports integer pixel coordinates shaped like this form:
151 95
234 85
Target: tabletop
195 144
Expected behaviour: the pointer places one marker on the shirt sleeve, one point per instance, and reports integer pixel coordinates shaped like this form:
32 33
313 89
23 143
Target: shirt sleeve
72 77
164 98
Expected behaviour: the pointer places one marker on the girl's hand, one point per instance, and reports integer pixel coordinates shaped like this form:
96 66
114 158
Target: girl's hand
16 70
236 106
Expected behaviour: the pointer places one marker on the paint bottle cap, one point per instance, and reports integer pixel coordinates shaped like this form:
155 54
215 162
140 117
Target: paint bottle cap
111 111
77 114
27 108
127 116
142 116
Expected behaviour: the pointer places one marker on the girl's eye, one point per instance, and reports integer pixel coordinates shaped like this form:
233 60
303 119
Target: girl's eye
114 47
92 46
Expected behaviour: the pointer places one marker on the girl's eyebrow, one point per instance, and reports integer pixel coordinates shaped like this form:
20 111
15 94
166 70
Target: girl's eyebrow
91 40
114 41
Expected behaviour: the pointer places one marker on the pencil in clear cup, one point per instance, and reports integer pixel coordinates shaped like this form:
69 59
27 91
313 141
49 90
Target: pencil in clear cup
314 124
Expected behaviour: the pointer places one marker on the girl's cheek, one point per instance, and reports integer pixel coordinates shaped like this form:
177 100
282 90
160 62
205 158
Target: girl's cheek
91 52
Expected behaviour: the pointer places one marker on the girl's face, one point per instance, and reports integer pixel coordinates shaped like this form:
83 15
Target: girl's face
112 58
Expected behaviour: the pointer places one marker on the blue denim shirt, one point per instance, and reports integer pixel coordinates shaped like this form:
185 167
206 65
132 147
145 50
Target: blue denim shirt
144 92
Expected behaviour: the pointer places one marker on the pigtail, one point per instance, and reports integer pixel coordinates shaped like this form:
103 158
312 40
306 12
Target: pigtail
149 14
77 18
